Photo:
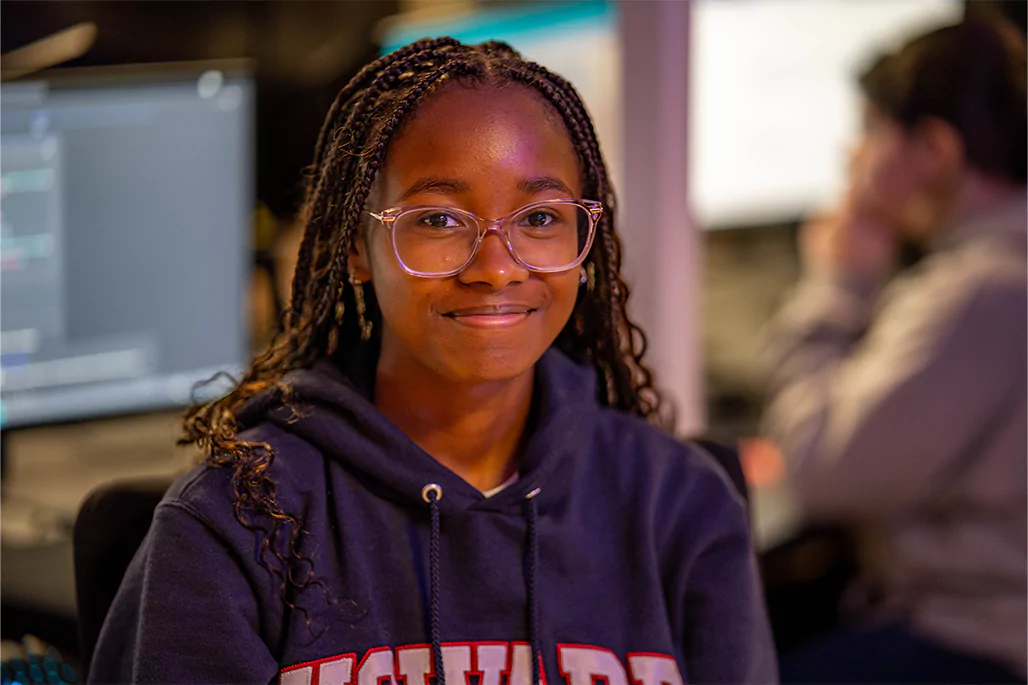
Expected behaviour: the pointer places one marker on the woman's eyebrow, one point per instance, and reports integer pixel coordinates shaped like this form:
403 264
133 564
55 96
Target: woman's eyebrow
455 186
443 186
538 184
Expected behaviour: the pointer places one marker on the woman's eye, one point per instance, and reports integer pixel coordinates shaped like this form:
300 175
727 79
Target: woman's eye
539 219
440 220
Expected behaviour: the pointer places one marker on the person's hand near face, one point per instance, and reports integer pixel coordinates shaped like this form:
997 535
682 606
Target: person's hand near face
850 241
903 184
896 188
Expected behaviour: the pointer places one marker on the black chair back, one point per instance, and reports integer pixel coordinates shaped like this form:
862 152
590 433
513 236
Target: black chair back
726 454
109 529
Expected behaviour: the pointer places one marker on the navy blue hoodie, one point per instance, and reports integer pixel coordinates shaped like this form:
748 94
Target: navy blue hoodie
620 555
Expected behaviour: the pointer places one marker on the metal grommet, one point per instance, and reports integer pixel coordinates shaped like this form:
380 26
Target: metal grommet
533 493
431 487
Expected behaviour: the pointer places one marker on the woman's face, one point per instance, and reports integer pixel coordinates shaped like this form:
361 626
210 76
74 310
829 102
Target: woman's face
488 152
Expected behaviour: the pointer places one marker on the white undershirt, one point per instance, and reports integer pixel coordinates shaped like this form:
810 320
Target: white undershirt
502 486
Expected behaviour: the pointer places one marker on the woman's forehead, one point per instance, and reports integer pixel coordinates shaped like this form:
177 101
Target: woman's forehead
485 132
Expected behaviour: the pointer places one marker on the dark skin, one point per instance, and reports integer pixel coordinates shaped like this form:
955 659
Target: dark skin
455 370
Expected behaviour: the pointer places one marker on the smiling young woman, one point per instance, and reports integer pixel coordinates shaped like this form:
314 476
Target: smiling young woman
449 464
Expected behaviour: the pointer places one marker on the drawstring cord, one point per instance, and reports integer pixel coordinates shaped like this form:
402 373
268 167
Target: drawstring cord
432 493
532 551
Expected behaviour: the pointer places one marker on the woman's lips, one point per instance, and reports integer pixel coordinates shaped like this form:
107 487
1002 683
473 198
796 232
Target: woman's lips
491 316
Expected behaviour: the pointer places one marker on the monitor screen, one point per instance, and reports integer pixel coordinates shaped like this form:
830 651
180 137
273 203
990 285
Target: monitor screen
126 205
773 102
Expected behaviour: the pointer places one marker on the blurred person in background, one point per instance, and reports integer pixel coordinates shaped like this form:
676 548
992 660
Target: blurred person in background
454 437
900 406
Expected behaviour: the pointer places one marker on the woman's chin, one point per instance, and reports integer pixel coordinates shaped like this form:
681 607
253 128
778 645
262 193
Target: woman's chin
475 368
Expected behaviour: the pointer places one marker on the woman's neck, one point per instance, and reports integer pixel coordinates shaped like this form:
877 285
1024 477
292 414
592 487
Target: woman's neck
475 430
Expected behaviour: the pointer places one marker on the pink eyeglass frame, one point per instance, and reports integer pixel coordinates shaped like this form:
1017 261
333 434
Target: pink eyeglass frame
486 226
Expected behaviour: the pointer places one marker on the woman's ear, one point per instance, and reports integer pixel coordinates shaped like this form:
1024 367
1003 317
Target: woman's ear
360 250
360 257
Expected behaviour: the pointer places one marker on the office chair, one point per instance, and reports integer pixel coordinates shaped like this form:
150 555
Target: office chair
726 454
110 527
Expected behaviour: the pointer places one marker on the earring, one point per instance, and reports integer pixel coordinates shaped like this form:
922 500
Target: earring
582 278
358 297
340 307
333 333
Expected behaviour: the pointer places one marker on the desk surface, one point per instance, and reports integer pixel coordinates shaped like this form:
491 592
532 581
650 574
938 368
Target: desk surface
49 472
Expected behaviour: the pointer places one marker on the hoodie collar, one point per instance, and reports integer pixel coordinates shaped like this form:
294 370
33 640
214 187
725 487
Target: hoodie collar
332 410
1007 221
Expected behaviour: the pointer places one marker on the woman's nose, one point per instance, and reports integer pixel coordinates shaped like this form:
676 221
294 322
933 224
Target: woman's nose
494 264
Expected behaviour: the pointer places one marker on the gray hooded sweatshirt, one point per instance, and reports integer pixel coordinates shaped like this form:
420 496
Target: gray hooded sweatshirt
903 414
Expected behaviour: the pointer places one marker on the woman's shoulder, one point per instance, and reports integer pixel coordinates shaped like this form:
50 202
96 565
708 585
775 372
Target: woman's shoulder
209 491
656 462
652 446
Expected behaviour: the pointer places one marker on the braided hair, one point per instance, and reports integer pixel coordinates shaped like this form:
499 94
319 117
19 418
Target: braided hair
321 321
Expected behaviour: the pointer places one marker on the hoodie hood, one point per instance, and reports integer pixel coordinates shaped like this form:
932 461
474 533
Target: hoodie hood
332 411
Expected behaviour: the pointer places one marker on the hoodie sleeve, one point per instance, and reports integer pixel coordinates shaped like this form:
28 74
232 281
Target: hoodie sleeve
186 611
728 636
868 422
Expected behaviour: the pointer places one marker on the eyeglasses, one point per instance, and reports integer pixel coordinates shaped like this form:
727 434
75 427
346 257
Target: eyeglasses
544 237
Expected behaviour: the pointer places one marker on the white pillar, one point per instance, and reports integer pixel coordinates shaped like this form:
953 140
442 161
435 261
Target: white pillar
662 245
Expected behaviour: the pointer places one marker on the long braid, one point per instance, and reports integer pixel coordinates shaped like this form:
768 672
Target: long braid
363 86
619 378
363 120
360 168
639 378
595 182
371 162
366 77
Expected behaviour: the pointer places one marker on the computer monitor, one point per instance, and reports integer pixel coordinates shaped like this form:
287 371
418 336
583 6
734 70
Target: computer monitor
127 198
774 105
